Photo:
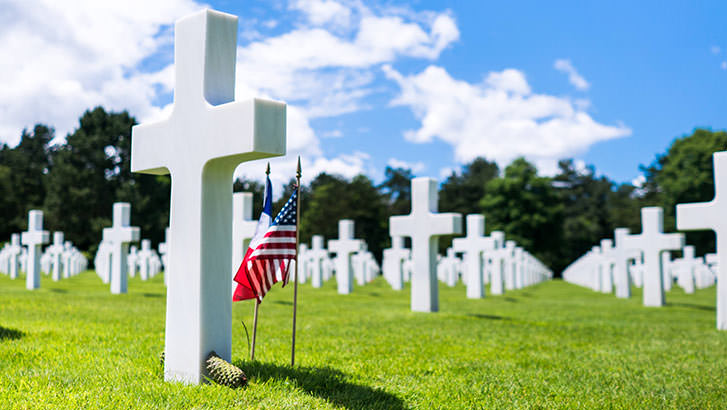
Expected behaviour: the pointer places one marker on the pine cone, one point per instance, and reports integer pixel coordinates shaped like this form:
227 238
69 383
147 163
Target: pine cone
224 373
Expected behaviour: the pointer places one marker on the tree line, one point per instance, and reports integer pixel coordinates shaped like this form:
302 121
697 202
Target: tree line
556 218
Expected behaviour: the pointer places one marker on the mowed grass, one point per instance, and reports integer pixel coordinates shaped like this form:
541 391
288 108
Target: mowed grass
72 344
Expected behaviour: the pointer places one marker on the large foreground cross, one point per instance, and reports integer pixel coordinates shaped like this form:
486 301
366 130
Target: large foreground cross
424 226
653 241
711 215
207 135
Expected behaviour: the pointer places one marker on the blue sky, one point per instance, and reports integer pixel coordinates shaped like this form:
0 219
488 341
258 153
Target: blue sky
426 84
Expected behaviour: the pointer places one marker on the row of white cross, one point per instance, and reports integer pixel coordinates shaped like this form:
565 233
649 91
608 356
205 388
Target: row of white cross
24 253
608 264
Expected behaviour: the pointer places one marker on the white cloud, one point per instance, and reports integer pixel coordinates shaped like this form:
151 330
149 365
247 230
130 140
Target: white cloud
415 167
723 65
500 120
332 134
715 49
329 73
565 66
60 58
446 172
639 181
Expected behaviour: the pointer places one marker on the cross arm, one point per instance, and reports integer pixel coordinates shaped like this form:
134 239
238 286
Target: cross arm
696 216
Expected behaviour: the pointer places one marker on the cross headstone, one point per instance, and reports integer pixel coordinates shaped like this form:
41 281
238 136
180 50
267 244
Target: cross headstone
607 253
56 250
318 256
164 252
393 263
424 226
473 246
132 261
686 268
666 267
145 255
711 215
205 138
13 254
243 227
34 238
498 262
119 235
344 247
652 241
510 266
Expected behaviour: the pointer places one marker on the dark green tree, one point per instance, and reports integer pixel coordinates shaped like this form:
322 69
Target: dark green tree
92 171
22 173
462 193
527 208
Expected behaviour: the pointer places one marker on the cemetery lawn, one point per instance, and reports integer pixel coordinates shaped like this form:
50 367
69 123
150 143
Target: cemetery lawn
72 344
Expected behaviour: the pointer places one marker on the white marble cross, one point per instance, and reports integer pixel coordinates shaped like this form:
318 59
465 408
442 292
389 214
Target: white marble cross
393 262
652 241
119 236
510 265
132 261
14 251
55 251
711 215
607 261
206 137
164 252
318 256
144 259
498 262
473 246
686 269
424 226
344 247
34 238
243 227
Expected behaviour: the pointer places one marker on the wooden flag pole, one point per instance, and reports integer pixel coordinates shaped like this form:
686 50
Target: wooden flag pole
295 283
257 302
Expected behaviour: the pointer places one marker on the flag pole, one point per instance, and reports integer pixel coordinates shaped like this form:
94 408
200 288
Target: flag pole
254 330
295 283
257 305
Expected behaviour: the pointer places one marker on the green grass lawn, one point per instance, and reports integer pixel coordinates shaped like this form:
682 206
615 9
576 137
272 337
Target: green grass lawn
72 344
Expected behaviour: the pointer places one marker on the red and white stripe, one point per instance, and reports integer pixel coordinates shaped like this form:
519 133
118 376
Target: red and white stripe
268 262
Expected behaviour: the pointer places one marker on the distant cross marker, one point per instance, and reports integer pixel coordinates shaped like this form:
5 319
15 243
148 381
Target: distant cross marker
243 227
205 138
318 256
119 236
344 247
712 215
653 241
13 254
393 263
621 255
424 226
34 238
474 245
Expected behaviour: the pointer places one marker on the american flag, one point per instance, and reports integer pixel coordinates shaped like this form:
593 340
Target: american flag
267 260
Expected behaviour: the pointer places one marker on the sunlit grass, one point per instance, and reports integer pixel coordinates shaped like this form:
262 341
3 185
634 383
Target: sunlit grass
72 344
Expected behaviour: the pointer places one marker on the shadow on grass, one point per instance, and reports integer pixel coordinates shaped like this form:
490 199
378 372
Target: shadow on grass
152 295
58 290
509 299
325 382
692 306
490 317
374 294
10 334
283 302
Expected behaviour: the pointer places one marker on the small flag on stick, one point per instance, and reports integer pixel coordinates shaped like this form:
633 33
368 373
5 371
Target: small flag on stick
267 260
